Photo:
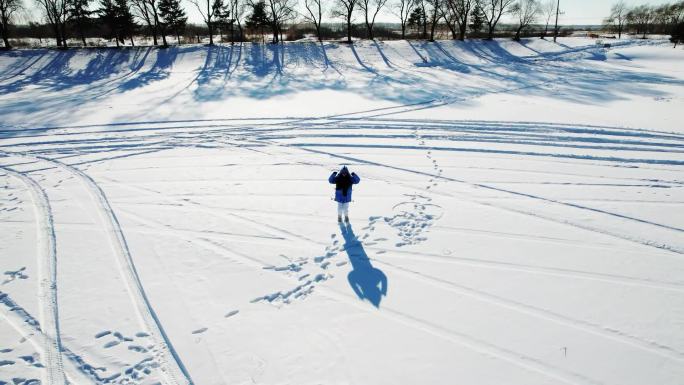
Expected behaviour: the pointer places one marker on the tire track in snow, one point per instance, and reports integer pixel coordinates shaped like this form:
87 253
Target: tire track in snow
406 254
30 329
47 270
521 307
517 306
472 343
644 242
80 371
498 189
172 365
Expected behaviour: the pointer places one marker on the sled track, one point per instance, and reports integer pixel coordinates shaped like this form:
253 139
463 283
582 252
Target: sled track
47 269
172 365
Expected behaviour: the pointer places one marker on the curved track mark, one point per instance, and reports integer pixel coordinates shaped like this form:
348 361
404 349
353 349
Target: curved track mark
47 268
173 366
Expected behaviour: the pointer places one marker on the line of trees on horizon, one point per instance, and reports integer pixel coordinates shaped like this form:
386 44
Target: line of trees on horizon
643 19
238 20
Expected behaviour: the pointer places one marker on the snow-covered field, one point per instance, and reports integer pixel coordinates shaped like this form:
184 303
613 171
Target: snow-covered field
165 216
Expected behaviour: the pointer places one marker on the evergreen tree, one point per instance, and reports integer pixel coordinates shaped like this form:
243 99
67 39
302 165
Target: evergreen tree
417 18
80 13
173 16
118 18
477 19
258 19
222 15
125 21
109 15
677 34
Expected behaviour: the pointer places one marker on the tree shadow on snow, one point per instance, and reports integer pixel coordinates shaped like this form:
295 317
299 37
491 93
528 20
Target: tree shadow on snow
50 85
368 282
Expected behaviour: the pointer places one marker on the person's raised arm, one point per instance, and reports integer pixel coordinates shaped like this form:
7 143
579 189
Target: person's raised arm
332 177
355 178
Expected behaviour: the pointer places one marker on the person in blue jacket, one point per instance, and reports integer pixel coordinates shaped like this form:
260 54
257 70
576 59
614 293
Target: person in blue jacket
343 182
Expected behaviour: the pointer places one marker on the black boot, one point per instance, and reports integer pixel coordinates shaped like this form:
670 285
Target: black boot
339 219
346 218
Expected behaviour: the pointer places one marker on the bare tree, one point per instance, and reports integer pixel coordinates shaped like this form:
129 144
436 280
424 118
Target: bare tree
213 8
315 15
618 16
237 9
493 10
403 9
57 15
370 9
421 4
159 26
279 12
7 10
435 15
555 25
457 13
143 11
548 9
641 17
526 12
345 9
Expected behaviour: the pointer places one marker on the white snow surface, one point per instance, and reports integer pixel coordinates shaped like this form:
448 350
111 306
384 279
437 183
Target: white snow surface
165 215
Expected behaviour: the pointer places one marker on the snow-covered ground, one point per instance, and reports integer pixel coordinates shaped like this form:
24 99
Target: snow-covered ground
165 215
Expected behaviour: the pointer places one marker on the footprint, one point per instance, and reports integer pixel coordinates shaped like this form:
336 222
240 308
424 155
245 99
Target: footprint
231 313
122 338
200 331
111 344
141 334
102 334
137 348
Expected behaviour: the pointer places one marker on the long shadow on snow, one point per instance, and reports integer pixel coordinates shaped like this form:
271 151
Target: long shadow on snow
23 60
278 69
267 70
160 70
368 282
57 75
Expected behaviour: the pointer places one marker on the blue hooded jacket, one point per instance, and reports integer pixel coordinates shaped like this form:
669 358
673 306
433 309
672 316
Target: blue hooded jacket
340 194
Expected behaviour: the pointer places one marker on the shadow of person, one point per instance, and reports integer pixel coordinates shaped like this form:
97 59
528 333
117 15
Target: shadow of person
368 282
